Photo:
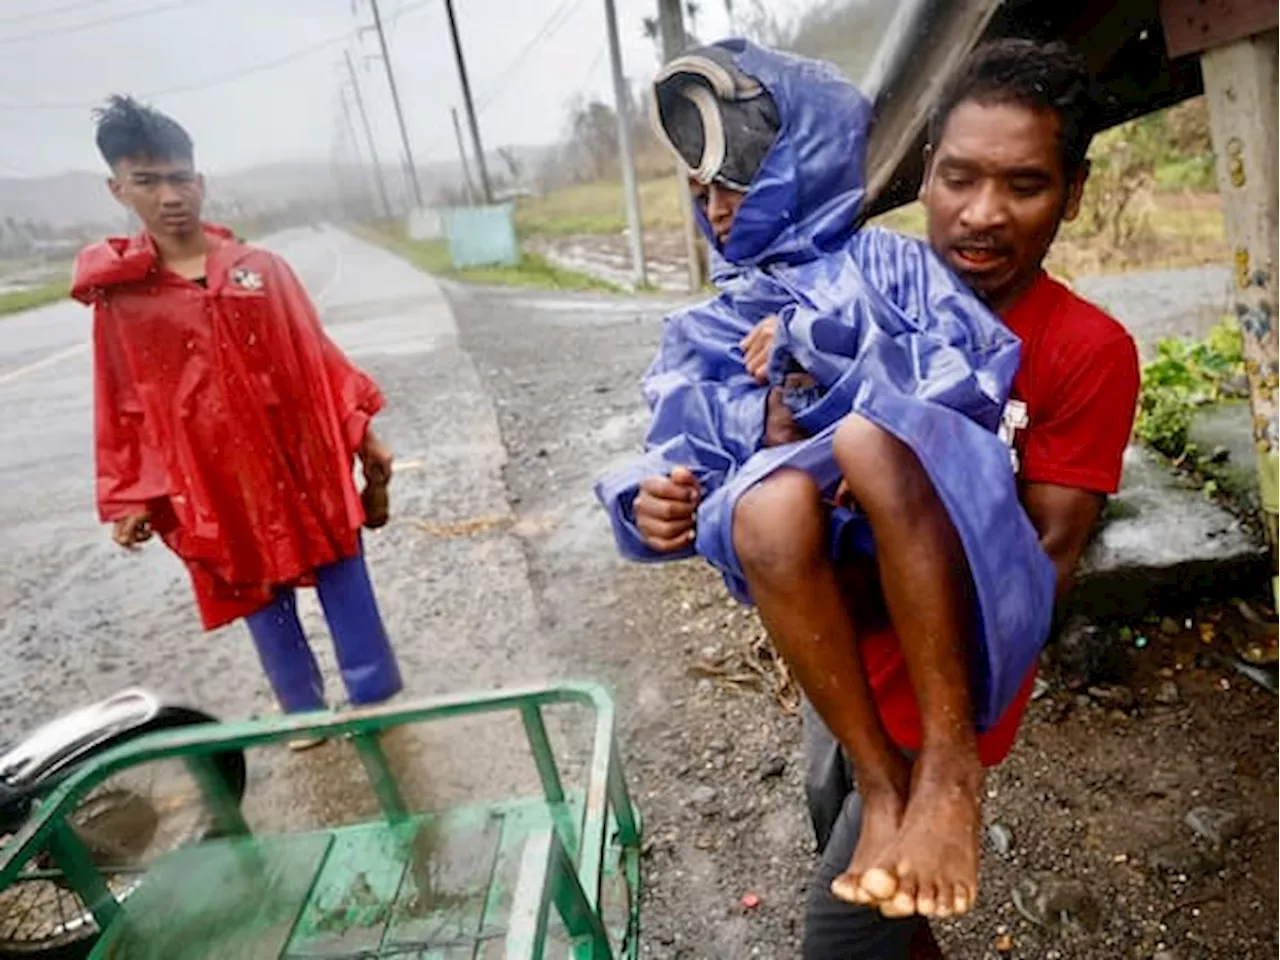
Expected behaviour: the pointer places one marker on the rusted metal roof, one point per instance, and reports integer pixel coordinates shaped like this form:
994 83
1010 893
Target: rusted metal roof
1122 40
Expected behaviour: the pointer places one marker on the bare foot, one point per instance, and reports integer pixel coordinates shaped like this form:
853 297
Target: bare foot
881 822
931 867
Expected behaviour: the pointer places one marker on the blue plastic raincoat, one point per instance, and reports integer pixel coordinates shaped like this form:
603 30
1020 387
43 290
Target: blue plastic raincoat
885 329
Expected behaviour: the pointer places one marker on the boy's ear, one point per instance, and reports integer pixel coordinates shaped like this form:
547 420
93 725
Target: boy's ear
115 187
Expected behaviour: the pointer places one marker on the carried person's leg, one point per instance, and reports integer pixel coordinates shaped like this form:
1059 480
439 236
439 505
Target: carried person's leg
780 536
365 658
932 865
286 656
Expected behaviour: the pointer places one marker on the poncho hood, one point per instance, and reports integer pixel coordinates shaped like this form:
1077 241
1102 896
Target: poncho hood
804 199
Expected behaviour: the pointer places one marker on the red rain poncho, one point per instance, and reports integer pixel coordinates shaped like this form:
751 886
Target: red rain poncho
228 412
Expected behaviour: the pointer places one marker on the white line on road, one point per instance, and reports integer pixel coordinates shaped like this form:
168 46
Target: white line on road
10 375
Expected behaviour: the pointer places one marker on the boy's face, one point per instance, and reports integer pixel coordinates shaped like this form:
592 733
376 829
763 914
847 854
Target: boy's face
719 205
995 192
165 194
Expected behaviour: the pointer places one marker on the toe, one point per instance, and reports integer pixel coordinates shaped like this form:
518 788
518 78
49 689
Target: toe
862 898
962 899
927 900
845 887
880 883
902 905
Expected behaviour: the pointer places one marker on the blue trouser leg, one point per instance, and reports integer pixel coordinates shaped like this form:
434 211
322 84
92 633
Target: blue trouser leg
285 654
368 664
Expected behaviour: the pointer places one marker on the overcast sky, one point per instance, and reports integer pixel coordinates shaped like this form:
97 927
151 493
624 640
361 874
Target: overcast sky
59 57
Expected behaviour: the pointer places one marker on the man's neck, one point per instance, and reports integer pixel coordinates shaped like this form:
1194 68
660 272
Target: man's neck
185 255
1001 305
181 250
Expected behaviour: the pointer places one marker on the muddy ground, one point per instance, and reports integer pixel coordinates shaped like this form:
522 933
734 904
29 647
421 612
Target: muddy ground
1090 806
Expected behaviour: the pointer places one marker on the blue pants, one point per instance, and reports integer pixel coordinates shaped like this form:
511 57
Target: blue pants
364 653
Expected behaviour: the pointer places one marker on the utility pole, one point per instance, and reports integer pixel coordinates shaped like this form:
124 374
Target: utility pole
368 135
462 155
353 141
630 191
671 30
395 100
482 168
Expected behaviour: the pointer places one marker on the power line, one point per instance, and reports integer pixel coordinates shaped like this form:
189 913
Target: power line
91 24
51 11
203 85
553 24
261 67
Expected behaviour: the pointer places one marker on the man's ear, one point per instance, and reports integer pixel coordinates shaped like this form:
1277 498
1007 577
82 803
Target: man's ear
116 187
1075 191
924 178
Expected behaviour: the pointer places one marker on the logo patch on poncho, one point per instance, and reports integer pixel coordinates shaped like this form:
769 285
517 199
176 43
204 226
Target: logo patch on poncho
246 279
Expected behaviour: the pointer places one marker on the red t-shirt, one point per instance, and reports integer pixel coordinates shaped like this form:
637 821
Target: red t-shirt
1069 417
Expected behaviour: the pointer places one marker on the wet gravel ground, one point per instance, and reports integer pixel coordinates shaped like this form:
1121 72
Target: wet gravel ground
1088 813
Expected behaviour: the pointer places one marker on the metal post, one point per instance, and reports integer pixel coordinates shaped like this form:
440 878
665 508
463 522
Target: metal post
395 100
481 166
671 30
368 135
462 156
630 191
1240 85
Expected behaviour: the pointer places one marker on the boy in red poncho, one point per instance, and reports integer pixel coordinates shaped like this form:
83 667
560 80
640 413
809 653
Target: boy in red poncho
227 421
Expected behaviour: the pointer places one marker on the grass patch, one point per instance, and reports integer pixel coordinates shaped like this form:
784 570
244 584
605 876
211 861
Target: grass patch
432 256
17 301
598 208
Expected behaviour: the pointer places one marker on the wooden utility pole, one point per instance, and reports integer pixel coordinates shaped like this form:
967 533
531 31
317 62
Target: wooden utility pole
462 156
626 157
369 201
481 167
368 136
1236 40
671 30
395 101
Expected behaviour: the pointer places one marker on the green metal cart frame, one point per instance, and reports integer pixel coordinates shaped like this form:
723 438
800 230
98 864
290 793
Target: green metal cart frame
368 890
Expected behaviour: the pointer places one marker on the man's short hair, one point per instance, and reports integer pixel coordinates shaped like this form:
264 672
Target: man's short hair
127 128
1042 76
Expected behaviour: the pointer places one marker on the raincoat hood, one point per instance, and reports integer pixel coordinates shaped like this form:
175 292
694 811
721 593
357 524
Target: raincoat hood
805 196
119 261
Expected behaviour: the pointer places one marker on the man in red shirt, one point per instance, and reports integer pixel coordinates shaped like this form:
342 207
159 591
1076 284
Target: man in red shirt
879 646
227 421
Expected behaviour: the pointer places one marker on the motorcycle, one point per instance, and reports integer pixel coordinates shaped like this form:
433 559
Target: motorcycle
124 823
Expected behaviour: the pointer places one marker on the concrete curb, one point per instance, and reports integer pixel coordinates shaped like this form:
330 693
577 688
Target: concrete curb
1166 546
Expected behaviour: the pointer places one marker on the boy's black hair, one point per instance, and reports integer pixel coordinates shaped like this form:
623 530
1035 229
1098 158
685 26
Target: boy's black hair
127 128
1046 76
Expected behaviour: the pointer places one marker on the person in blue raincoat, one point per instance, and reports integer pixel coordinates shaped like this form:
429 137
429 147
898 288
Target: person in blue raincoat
828 433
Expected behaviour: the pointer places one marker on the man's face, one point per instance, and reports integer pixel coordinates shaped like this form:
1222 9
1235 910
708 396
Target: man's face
165 194
994 193
719 204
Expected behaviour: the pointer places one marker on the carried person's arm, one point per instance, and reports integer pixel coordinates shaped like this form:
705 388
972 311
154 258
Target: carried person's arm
708 417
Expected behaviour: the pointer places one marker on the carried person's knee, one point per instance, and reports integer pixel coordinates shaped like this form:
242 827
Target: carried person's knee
779 525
